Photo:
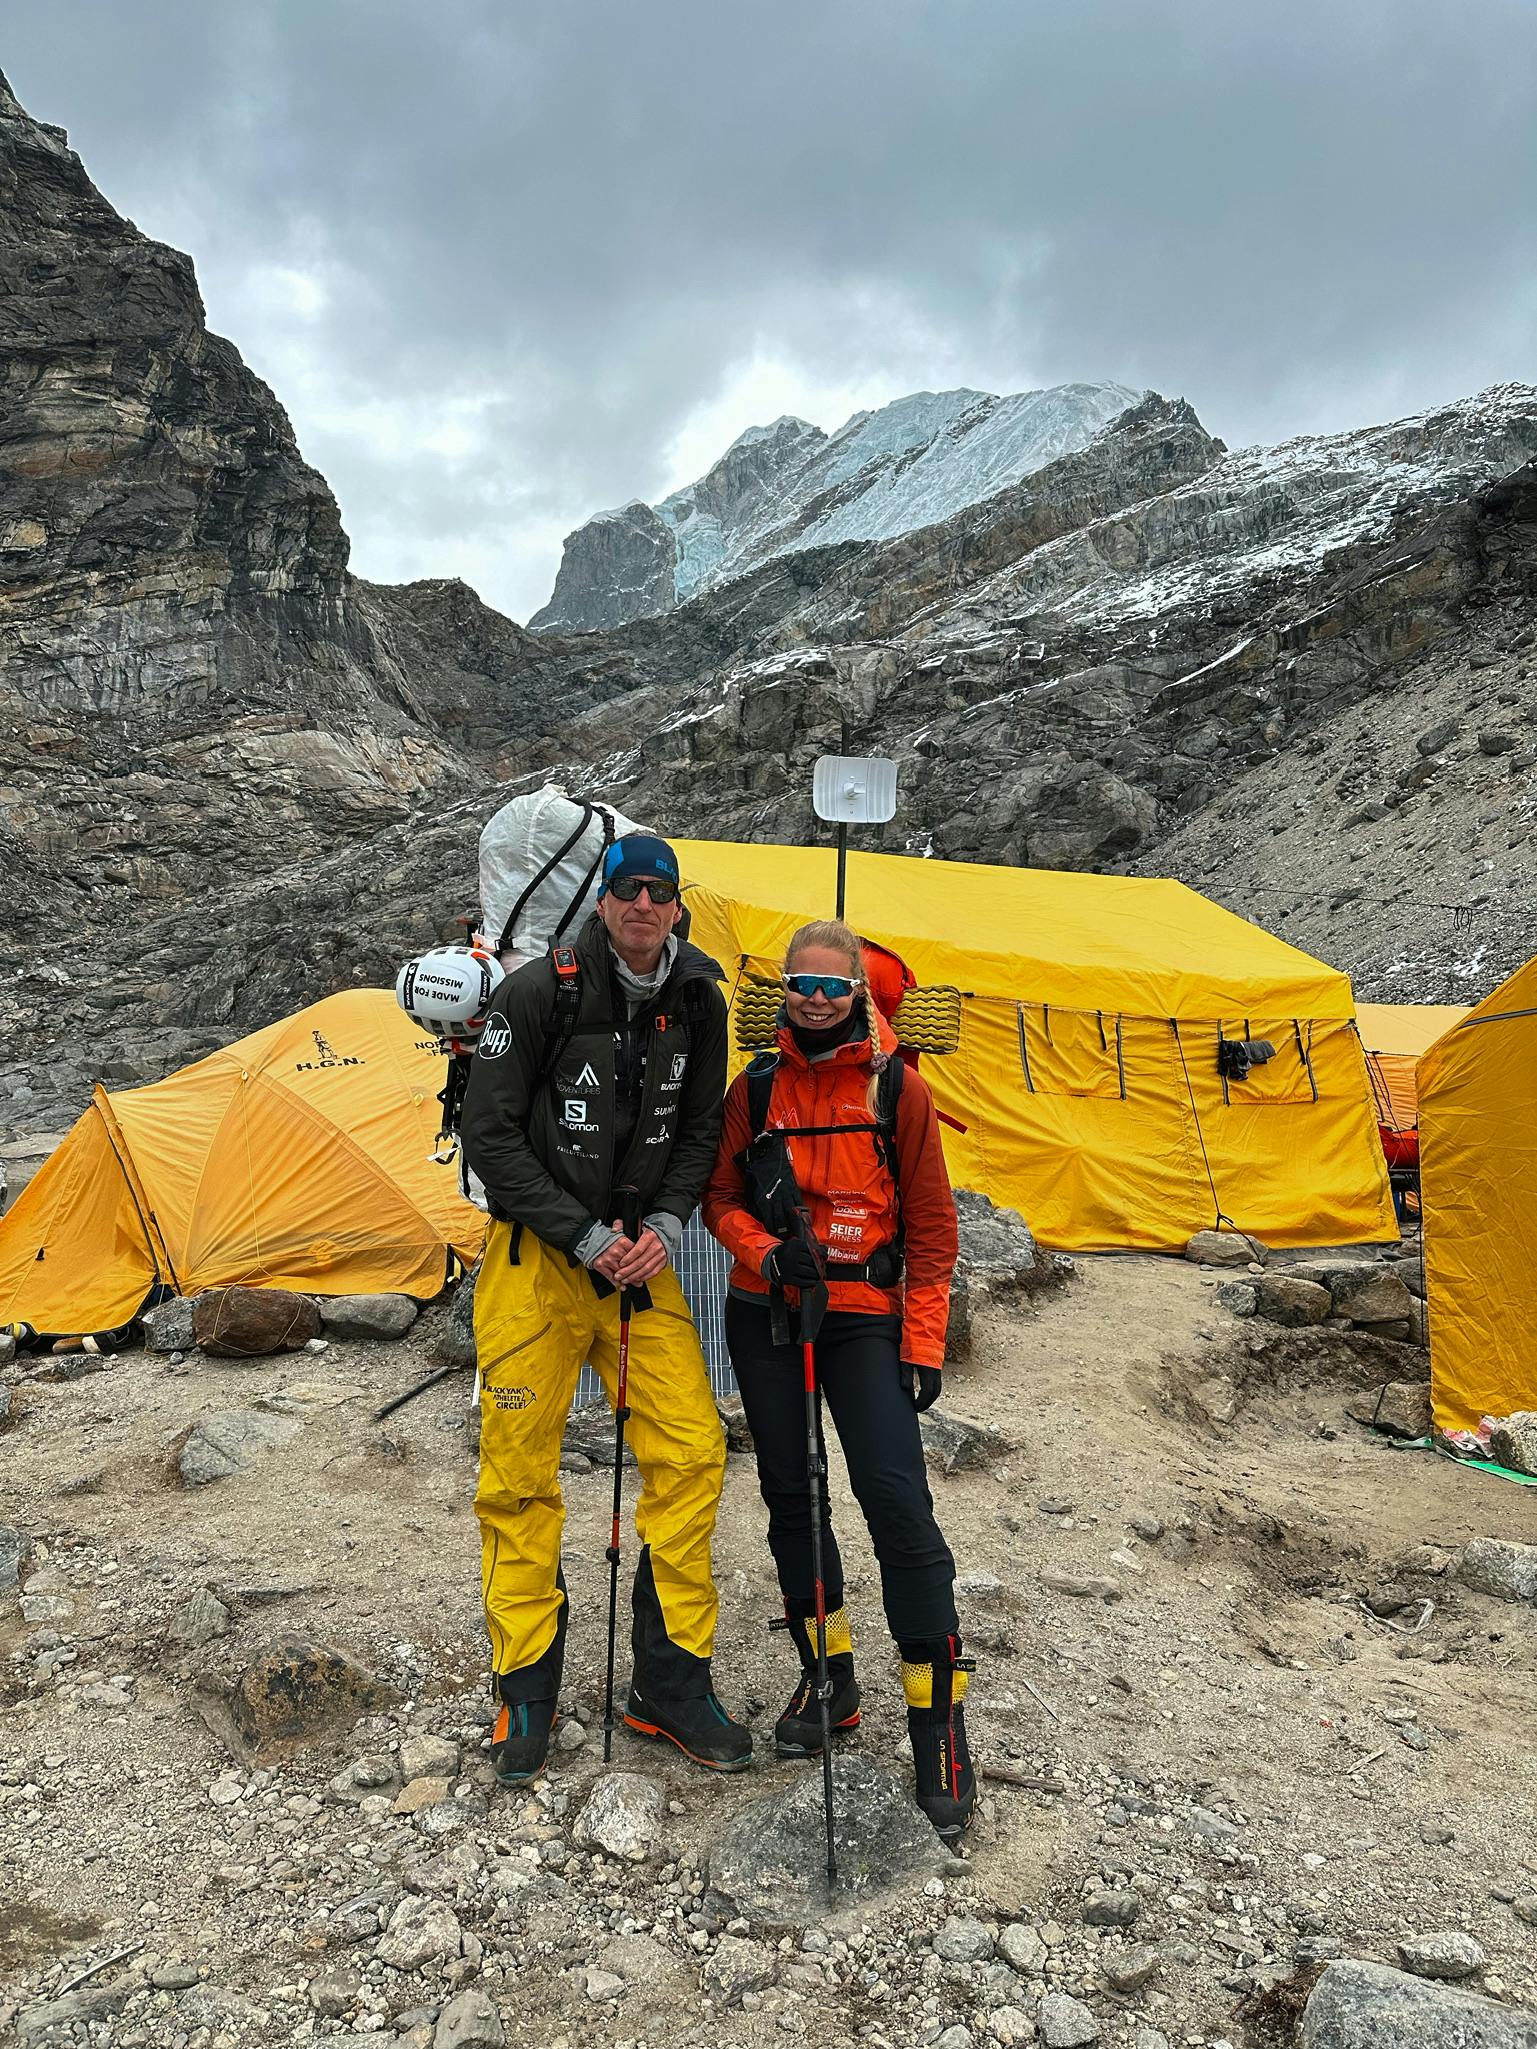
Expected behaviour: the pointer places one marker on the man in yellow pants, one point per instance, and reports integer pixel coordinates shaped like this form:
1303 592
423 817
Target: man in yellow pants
596 1086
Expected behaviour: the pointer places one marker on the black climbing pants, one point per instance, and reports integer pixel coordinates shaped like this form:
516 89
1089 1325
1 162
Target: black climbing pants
858 1371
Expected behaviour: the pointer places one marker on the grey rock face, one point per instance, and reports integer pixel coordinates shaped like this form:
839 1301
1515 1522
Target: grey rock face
168 1326
367 1316
1493 1565
1359 2005
421 1931
617 567
769 1857
226 1442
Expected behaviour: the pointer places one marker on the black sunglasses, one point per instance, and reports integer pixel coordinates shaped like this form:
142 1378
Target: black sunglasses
628 887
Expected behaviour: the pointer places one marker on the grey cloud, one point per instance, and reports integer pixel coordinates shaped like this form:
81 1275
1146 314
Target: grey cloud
583 216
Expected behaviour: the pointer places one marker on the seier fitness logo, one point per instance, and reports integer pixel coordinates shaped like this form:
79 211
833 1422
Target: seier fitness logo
326 1055
495 1039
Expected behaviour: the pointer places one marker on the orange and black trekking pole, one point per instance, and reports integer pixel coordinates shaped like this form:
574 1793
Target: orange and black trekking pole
629 1223
813 1306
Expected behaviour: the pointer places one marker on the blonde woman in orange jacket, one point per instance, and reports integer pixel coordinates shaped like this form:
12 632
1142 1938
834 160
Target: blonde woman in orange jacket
873 1186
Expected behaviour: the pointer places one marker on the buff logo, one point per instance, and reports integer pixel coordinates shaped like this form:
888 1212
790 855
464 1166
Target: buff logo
495 1039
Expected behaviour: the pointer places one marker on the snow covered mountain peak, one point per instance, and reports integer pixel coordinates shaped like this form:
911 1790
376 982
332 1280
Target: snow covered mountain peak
788 485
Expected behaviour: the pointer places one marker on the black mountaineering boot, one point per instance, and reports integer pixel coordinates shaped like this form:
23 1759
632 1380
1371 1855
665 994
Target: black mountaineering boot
520 1736
934 1677
670 1692
798 1732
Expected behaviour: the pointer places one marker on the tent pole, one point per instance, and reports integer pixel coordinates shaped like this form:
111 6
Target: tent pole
843 864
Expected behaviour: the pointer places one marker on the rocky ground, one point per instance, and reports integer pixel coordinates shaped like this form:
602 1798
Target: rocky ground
1248 1770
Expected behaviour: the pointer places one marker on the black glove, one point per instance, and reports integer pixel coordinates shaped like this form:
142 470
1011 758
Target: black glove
923 1384
793 1264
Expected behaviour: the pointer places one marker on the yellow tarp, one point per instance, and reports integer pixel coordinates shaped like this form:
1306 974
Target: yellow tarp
1478 1186
296 1158
1395 1035
1087 1072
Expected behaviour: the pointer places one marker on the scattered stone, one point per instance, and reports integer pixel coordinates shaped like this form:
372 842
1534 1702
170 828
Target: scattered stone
733 1420
1150 2038
419 1793
570 1736
957 2037
227 1441
1448 1953
421 1931
456 1346
335 1992
957 1445
735 1966
1239 1298
469 2021
1148 1527
1112 1909
76 2010
1223 1248
1399 1408
168 1326
367 1316
295 1690
1497 743
602 1985
963 1940
1437 736
624 1816
15 1549
1513 1442
429 1757
1494 1565
1359 2005
251 1323
1524 1907
1083 1585
1294 1303
174 1975
199 1619
1009 2025
1066 2023
768 1856
1021 1947
1130 1969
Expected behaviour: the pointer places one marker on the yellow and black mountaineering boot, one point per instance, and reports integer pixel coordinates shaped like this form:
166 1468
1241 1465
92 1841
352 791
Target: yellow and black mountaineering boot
671 1693
520 1736
798 1732
934 1677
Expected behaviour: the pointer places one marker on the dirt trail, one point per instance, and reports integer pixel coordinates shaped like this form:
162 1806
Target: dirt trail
1246 1749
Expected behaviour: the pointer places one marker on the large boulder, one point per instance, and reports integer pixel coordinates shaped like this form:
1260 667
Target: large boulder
227 1441
367 1316
1375 1296
1285 1299
1513 1441
456 1346
1399 1408
251 1323
168 1326
769 1859
1359 2005
1223 1248
296 1690
1495 1565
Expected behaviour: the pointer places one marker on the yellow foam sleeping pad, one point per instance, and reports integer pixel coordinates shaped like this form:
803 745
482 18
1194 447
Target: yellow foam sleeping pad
926 1020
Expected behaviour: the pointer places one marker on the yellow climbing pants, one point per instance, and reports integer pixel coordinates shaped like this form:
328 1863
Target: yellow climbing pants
535 1323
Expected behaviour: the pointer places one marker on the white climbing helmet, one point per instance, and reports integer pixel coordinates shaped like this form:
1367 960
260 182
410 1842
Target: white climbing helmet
448 991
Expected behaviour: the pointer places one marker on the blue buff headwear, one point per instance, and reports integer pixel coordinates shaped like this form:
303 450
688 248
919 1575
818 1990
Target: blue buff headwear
638 853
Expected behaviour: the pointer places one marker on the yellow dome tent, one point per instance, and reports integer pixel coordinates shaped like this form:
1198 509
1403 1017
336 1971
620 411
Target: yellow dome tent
1087 1072
1478 1185
1395 1035
295 1158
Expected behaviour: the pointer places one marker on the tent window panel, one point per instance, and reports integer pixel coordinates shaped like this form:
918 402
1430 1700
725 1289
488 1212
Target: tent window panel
1289 1076
1071 1052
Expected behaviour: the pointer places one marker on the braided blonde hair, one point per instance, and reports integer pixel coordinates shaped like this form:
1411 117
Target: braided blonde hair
837 937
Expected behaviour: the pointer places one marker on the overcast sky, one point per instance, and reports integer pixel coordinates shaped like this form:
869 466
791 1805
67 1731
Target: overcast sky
507 262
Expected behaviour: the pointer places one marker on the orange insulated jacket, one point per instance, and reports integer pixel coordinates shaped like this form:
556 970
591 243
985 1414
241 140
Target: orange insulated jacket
848 1189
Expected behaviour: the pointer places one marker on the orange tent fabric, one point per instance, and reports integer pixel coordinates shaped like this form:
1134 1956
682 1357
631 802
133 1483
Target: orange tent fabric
295 1158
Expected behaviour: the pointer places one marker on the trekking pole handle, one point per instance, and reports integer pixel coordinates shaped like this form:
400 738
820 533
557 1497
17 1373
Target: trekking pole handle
628 1203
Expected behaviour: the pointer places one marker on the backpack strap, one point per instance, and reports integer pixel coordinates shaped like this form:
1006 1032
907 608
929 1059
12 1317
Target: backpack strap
761 1070
544 874
888 1093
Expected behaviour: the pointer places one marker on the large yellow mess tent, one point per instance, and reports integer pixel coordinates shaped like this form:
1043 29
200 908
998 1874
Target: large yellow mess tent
295 1158
1478 1183
1087 1076
1395 1035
